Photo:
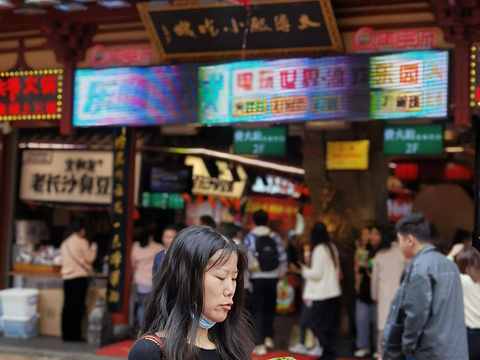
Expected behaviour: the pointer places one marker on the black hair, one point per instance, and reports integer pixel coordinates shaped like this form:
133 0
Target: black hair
232 230
460 235
207 220
318 236
389 235
260 218
77 225
144 238
178 293
415 225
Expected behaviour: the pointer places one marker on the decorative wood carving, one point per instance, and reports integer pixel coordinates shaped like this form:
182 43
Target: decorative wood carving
69 41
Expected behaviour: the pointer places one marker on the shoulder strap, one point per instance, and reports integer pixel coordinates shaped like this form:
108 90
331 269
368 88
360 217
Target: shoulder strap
67 246
156 340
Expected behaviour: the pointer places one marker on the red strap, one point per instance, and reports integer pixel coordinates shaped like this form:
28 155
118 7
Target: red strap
157 341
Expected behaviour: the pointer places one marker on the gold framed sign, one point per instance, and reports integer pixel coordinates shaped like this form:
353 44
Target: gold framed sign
228 30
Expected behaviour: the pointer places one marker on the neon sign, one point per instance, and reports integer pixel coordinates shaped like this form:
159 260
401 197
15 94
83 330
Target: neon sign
31 95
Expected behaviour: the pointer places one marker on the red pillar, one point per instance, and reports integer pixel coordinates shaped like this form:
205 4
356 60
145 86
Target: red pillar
462 84
66 125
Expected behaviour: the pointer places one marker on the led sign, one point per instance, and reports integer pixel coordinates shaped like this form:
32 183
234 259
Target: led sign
135 96
31 95
405 85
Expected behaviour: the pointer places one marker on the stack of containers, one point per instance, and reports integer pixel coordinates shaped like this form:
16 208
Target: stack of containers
20 318
1 313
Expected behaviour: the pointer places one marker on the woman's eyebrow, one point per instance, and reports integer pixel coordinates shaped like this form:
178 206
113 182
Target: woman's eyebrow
227 270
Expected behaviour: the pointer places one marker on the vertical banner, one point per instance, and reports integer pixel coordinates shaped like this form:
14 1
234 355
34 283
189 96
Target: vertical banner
119 218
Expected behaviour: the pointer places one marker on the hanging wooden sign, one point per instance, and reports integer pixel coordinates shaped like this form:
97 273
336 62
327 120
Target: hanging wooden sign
225 29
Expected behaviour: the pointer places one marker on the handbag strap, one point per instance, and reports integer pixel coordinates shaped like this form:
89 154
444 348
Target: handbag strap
67 246
155 339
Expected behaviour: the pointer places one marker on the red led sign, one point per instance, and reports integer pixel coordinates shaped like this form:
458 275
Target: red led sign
31 95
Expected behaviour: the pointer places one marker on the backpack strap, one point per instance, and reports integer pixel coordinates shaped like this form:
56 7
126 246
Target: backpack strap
156 340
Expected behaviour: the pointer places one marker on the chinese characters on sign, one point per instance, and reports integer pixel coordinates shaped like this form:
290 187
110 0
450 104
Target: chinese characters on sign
413 140
225 184
66 176
294 89
409 85
118 242
218 30
269 141
348 155
277 185
31 95
101 56
404 85
368 40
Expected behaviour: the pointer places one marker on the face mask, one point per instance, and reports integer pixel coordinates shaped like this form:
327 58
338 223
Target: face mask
204 322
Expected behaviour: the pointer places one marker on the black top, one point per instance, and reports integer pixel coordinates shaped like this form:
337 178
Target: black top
145 349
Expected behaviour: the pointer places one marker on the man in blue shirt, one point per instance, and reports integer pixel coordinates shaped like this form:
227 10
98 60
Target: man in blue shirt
426 319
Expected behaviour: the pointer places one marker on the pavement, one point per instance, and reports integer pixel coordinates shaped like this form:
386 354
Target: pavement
47 347
53 348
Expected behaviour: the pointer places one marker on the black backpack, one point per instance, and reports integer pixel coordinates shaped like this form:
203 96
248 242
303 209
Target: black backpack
267 253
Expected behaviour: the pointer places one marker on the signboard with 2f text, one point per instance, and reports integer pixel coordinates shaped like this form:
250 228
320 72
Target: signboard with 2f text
269 141
413 140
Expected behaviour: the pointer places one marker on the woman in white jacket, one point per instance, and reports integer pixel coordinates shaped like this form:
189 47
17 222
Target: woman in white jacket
322 288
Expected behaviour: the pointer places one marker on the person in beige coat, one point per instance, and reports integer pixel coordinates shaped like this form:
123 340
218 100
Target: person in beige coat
386 277
77 259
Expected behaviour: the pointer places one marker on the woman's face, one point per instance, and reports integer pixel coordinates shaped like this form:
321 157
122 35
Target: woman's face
168 236
365 236
219 288
375 237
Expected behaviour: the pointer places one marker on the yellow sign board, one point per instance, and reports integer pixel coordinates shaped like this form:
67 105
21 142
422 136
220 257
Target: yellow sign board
347 155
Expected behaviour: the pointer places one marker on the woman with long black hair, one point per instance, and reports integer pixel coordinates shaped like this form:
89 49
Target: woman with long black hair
196 309
322 288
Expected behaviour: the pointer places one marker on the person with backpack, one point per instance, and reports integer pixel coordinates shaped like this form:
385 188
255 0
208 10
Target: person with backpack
267 263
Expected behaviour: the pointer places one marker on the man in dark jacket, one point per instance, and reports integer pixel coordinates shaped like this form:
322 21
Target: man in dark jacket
428 305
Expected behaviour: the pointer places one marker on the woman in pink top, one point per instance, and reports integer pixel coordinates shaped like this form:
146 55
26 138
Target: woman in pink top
142 255
77 259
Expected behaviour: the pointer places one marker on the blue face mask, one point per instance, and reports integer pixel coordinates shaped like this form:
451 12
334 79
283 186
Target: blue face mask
204 322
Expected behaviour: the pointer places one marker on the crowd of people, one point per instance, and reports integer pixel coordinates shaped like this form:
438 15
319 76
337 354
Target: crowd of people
213 295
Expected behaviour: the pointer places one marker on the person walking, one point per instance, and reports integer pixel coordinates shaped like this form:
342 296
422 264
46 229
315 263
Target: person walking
366 309
386 275
141 258
426 319
322 291
198 312
168 235
77 259
269 263
468 261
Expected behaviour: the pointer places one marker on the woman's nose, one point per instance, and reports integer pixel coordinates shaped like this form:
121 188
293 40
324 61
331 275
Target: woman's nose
229 289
